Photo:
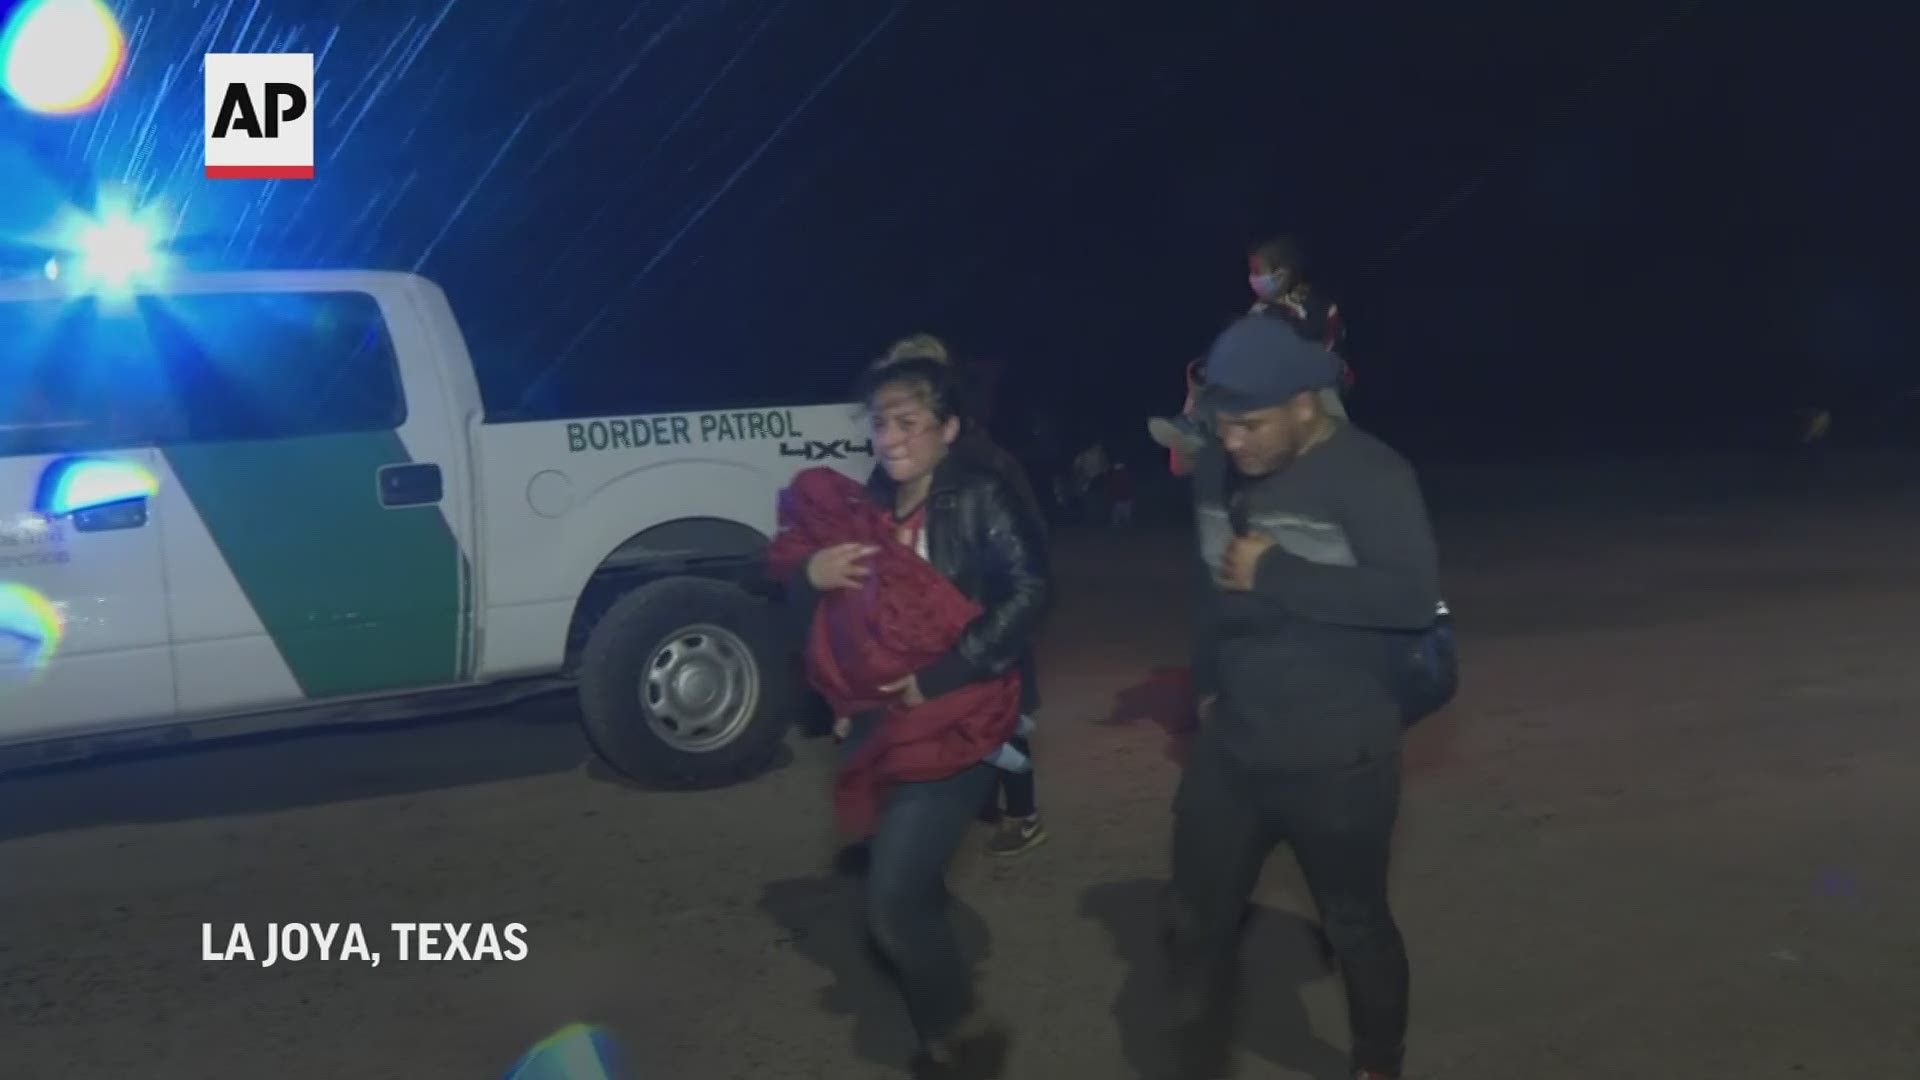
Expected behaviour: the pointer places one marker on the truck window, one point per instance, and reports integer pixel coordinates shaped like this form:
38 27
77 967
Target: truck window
61 393
275 365
88 375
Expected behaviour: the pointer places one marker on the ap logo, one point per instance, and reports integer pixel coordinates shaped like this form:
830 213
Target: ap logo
259 116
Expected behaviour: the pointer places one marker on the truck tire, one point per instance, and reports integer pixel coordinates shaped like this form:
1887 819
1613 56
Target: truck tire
682 684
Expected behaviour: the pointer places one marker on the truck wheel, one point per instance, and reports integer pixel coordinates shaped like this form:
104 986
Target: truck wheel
681 685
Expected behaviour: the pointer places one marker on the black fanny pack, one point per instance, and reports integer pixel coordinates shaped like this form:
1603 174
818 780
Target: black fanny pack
1432 677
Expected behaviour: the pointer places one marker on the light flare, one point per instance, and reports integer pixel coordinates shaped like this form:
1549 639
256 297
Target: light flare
31 627
61 57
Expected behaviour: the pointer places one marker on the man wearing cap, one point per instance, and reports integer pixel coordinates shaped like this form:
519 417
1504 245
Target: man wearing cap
1319 575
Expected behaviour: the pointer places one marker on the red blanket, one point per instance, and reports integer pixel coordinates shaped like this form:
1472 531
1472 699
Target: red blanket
905 617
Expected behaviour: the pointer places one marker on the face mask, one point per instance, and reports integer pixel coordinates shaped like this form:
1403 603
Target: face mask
1266 286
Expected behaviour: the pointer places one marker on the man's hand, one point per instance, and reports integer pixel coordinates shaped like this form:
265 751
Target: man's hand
908 689
842 727
1242 560
1205 707
838 567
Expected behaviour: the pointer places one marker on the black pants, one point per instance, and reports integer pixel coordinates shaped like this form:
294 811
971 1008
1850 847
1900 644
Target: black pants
1017 787
1340 827
921 826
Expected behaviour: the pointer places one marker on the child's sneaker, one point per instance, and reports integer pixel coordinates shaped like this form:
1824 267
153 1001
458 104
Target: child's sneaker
1178 433
1017 836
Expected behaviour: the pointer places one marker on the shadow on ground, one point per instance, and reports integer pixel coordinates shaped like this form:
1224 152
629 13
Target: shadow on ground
821 918
1278 957
600 772
267 773
1165 699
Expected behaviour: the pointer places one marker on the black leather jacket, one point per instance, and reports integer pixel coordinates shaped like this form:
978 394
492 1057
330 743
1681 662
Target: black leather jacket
978 450
982 539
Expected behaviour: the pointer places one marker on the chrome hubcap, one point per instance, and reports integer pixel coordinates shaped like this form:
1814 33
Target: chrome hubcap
700 688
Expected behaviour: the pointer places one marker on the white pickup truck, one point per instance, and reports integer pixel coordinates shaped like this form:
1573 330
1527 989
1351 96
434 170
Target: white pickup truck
251 500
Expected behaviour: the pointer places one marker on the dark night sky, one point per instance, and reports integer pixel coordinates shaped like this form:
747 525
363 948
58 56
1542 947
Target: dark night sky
1550 224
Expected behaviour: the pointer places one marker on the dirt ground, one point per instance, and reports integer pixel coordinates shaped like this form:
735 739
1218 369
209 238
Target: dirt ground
1667 831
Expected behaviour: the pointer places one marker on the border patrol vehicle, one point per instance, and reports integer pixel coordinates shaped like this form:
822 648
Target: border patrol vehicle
240 501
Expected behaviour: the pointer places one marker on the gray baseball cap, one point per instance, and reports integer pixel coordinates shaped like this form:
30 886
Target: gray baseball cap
1260 362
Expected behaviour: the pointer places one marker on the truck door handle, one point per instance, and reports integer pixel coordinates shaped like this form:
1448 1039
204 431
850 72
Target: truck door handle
411 485
130 514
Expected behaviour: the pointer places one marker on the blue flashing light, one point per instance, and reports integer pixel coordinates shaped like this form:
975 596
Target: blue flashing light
118 248
115 251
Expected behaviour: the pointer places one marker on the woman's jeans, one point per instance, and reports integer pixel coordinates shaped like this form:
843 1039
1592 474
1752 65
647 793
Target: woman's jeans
921 828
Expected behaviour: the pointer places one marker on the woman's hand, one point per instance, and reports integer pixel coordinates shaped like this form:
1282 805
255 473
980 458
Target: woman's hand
838 567
908 689
842 727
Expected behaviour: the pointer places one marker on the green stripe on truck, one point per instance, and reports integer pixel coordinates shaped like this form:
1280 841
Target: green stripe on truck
358 598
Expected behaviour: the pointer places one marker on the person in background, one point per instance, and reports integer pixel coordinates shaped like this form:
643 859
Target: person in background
1318 576
1276 271
1120 494
1276 274
1089 468
914 792
1013 806
1063 499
